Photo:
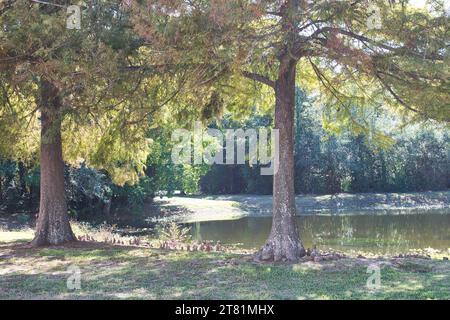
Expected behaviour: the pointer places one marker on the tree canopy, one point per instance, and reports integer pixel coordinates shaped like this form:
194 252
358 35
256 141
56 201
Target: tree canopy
352 52
107 102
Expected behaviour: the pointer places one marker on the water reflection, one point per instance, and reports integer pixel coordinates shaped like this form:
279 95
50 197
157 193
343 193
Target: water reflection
370 233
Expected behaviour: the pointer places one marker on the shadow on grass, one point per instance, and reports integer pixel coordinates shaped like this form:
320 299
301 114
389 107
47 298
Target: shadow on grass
112 272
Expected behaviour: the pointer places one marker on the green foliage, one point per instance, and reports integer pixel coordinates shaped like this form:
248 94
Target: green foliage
161 176
107 93
9 189
23 218
352 64
8 170
171 231
235 179
166 175
124 89
91 192
326 163
87 190
133 197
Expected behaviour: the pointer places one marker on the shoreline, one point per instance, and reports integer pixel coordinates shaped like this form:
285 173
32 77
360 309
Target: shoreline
231 207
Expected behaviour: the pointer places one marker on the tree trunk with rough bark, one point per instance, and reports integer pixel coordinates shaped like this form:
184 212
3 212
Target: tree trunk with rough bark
53 225
284 243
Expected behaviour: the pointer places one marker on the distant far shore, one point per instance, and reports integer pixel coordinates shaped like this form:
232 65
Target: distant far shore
227 207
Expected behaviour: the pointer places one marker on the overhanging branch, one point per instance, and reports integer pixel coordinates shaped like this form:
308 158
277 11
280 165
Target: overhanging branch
366 40
259 78
395 95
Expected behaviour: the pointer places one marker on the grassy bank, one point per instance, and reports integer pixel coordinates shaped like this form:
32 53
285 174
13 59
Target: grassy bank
119 272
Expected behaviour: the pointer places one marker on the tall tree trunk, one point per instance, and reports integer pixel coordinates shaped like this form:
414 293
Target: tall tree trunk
284 243
53 225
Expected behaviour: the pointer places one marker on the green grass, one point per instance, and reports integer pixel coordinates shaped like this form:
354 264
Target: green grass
114 272
15 236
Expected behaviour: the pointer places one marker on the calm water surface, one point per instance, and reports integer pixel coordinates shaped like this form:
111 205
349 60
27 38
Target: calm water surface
370 233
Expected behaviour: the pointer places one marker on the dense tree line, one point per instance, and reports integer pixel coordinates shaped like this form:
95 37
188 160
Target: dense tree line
348 164
91 192
325 163
418 159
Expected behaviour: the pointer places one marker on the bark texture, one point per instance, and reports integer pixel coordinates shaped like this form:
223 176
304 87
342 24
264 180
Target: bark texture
284 243
53 225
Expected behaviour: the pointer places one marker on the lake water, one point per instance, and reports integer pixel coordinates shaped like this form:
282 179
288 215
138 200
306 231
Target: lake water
382 234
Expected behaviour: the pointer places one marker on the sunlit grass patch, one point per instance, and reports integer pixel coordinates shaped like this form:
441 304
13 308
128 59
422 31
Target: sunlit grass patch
120 272
16 236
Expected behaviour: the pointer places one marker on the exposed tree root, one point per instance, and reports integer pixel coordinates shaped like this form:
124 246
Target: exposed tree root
281 249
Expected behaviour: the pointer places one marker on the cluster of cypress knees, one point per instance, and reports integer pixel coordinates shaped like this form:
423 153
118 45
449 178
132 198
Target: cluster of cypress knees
166 244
